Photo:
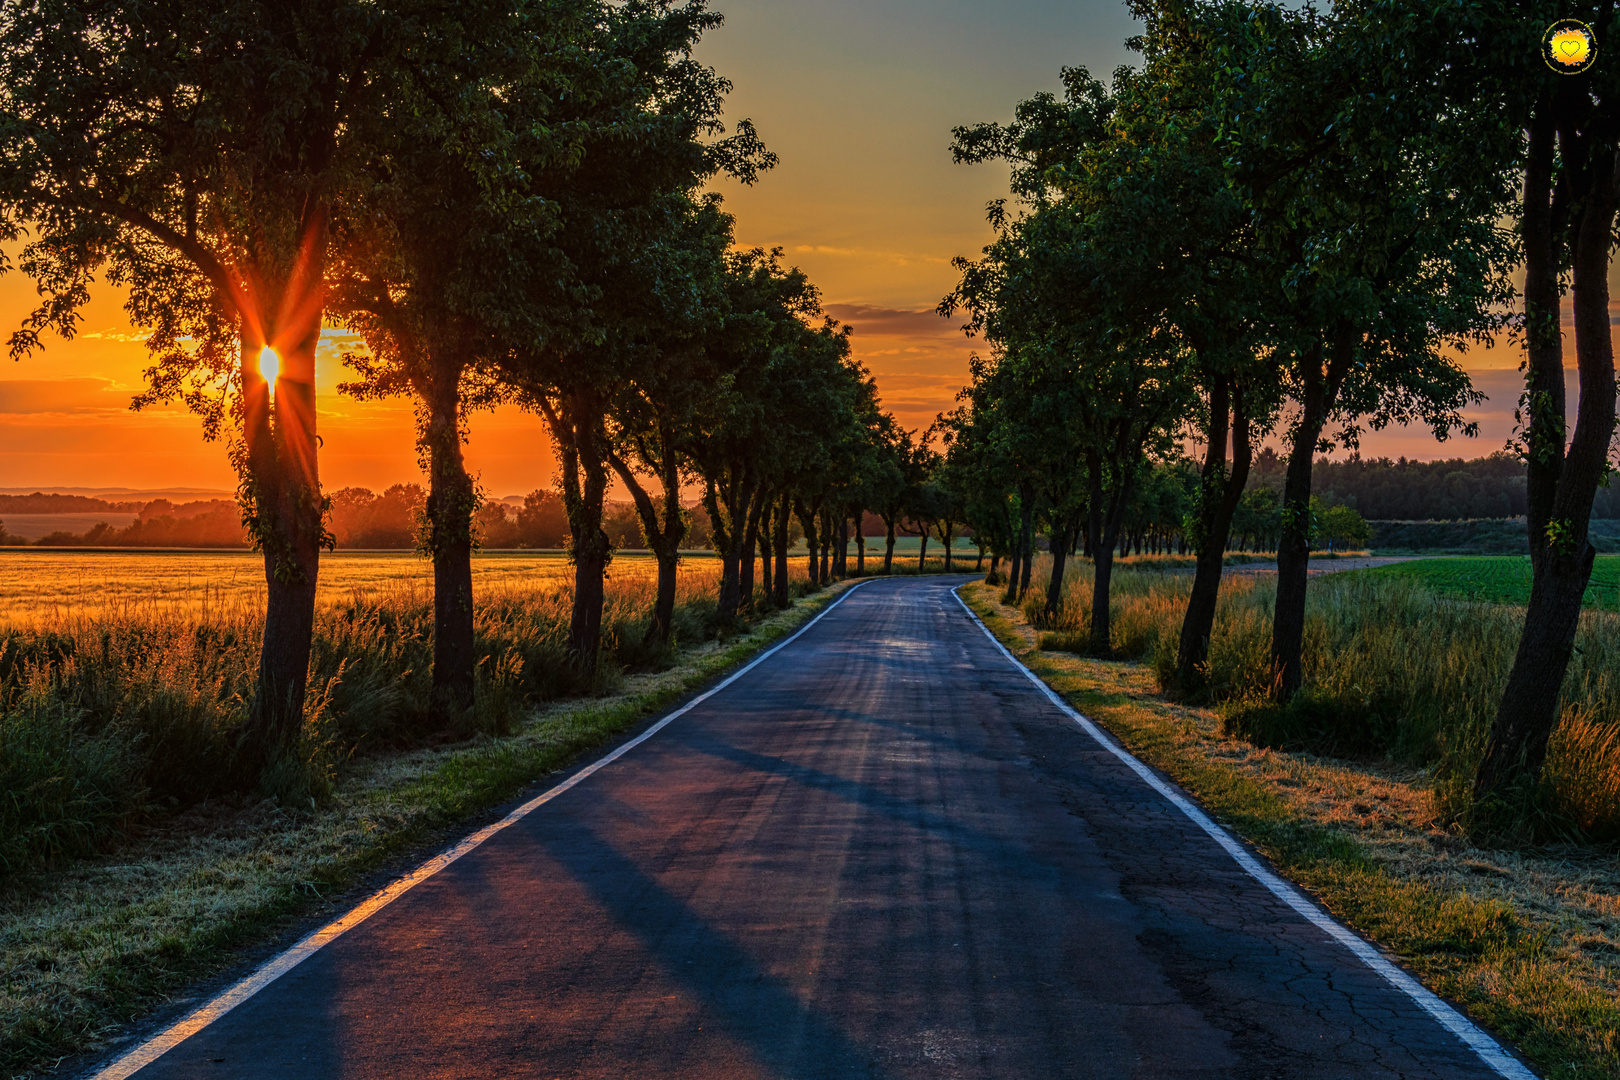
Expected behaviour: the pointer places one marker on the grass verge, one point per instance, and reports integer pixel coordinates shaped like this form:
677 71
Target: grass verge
90 947
1527 943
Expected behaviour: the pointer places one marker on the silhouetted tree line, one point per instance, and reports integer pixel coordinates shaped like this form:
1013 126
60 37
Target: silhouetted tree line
1285 222
508 202
1402 490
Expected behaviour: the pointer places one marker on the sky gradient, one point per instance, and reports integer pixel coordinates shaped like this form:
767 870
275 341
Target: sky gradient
858 99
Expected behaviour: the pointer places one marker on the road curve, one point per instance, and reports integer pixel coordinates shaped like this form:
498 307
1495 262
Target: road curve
882 853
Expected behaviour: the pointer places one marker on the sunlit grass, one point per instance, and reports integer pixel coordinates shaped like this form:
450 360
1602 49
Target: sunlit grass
43 587
1392 669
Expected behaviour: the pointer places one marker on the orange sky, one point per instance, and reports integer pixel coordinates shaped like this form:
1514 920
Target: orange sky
857 97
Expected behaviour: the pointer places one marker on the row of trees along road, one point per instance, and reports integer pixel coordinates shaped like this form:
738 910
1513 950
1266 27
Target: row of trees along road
1290 221
505 199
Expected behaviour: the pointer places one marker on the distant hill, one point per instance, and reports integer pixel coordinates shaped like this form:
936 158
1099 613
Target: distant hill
42 503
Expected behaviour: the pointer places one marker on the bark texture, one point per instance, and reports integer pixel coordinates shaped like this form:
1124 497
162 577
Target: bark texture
1320 390
450 506
1220 491
579 428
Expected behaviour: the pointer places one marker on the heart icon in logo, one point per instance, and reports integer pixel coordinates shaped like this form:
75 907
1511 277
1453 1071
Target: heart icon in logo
1568 47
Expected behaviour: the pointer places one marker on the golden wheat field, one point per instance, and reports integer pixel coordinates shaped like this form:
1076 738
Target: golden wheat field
39 587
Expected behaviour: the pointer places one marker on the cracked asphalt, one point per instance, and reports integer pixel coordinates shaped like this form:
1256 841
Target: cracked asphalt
882 853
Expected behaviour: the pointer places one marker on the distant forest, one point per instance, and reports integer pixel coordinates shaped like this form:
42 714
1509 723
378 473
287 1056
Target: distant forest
1401 490
359 519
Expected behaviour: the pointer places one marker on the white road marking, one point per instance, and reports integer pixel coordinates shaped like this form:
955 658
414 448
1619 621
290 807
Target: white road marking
178 1032
1487 1048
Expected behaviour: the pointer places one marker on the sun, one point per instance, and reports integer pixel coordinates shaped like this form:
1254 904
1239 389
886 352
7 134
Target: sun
269 365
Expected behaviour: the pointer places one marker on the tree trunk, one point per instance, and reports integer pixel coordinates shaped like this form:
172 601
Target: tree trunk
1561 553
1102 564
451 503
284 514
826 549
731 506
745 573
841 557
1028 564
1060 555
860 543
888 545
1015 563
1218 498
1294 545
807 518
578 425
922 550
663 536
767 582
782 514
950 534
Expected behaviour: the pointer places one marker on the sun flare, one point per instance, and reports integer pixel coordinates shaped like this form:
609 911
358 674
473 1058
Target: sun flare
269 365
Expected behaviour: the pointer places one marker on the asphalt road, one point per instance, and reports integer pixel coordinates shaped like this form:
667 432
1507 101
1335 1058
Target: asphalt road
881 853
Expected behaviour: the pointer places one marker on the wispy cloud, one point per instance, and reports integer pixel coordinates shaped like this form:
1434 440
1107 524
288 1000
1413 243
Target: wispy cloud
898 258
876 321
73 397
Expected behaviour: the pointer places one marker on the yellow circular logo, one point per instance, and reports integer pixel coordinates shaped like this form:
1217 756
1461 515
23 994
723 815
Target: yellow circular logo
1569 47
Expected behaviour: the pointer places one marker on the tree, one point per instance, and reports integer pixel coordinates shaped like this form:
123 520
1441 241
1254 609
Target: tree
1566 212
446 241
1093 396
663 402
754 355
1342 526
900 464
193 152
621 217
1362 184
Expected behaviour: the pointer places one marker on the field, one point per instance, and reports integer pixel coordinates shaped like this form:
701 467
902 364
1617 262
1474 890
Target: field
41 586
1499 579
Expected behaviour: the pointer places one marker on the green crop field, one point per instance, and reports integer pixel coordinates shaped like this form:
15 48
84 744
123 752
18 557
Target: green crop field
1499 579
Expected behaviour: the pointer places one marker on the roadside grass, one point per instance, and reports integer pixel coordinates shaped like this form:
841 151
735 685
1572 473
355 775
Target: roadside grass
1500 579
111 716
1526 941
1392 670
171 893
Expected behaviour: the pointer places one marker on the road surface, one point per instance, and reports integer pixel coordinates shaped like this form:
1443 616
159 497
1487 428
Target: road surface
880 854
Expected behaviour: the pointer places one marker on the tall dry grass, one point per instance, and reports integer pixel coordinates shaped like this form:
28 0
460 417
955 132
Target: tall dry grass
1391 670
106 715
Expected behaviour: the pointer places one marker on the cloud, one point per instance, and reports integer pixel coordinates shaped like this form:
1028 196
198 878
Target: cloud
944 383
897 257
62 396
896 322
